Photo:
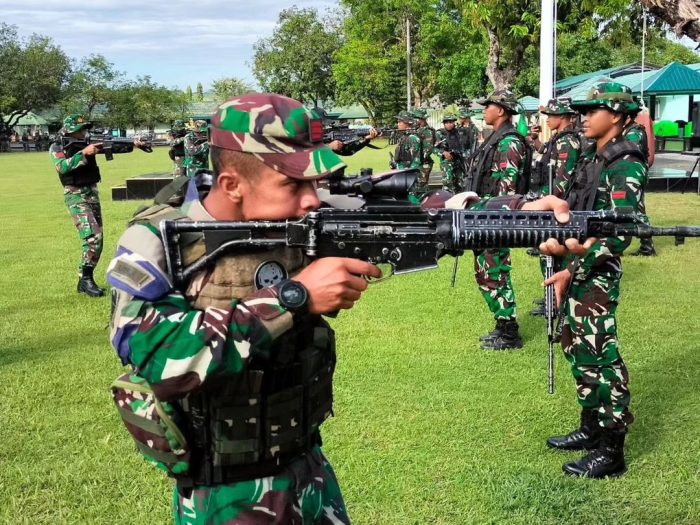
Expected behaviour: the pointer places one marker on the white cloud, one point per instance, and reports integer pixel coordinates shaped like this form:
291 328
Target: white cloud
178 43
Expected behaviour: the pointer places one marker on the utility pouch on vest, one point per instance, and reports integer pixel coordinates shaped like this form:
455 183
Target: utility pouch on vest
155 426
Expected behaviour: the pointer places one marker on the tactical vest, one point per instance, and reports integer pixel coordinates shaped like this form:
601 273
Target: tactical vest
252 424
540 175
480 168
403 149
583 191
453 142
85 174
178 150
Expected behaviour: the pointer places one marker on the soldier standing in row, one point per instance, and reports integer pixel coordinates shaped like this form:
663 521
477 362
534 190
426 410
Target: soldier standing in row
79 173
177 147
449 147
196 148
498 168
606 178
468 132
408 149
426 134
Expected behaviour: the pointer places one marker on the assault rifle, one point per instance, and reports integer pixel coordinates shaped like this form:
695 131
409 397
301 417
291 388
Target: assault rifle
109 145
344 134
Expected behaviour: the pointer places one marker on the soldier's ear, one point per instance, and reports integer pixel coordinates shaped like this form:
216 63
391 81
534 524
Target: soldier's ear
618 118
230 183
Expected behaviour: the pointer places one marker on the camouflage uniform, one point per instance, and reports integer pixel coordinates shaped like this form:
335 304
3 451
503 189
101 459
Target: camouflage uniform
560 153
492 267
607 179
177 148
226 333
426 134
408 152
637 134
469 134
196 149
452 170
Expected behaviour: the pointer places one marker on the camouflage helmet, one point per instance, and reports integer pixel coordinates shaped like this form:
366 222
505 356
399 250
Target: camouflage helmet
504 98
558 107
449 117
278 131
406 116
75 122
609 95
465 113
420 113
178 125
199 126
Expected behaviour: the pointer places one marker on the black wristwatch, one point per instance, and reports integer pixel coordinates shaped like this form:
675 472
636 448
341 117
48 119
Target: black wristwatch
293 296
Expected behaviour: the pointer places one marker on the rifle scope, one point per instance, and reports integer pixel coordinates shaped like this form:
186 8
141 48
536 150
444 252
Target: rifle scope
397 184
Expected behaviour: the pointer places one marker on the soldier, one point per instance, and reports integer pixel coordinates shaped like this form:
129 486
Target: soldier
449 147
606 178
408 153
177 147
25 141
79 174
498 168
426 134
468 132
351 147
242 353
635 132
196 148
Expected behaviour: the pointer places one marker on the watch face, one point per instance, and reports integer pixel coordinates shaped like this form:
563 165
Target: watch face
292 295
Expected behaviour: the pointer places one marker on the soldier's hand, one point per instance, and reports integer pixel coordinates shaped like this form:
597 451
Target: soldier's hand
335 283
447 155
561 213
373 133
92 149
336 145
561 281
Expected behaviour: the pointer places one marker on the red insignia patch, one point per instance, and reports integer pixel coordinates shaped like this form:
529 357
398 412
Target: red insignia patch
563 156
619 195
504 165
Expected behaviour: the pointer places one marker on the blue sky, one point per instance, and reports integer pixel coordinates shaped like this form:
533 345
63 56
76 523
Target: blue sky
177 43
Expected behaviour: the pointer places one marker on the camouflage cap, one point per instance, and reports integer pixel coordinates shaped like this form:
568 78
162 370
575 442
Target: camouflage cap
504 98
420 113
609 95
557 107
75 122
449 117
278 131
178 125
465 113
406 116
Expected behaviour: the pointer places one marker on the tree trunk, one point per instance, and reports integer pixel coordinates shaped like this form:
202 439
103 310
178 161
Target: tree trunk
501 77
682 15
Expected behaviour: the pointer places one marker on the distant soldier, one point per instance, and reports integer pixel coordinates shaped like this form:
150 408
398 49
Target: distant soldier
4 141
196 148
449 147
560 153
635 132
498 168
37 140
468 133
25 141
177 147
408 149
427 136
77 169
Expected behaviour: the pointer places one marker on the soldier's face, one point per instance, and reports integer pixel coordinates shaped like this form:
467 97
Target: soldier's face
449 125
402 124
492 112
553 121
599 122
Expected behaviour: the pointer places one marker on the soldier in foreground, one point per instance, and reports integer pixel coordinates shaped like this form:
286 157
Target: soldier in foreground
609 177
79 174
196 148
449 147
496 169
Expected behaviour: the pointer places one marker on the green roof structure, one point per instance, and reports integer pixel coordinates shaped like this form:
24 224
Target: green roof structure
569 83
673 79
530 104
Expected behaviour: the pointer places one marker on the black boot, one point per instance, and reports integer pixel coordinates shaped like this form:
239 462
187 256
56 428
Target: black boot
646 249
539 310
497 332
87 285
606 460
586 437
508 339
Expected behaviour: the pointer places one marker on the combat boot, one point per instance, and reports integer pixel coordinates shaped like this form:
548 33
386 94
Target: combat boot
539 310
606 460
87 285
508 339
646 249
497 332
586 437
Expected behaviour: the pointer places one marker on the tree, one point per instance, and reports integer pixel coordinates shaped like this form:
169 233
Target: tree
682 15
91 85
188 93
33 73
200 92
225 88
297 59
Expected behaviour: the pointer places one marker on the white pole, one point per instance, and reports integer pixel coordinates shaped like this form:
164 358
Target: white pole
408 64
547 52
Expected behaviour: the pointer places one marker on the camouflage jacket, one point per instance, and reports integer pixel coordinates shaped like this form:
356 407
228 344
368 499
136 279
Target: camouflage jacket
177 145
563 151
172 345
427 136
196 153
620 186
408 152
65 164
637 134
508 164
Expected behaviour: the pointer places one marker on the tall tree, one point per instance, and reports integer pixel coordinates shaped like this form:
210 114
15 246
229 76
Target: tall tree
200 92
33 73
188 93
91 84
682 15
225 88
297 59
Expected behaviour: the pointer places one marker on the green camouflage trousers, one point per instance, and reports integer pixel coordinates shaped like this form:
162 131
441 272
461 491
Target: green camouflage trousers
451 176
305 493
589 340
178 168
83 203
492 271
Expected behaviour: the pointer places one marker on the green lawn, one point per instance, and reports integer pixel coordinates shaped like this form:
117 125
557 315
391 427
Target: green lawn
428 429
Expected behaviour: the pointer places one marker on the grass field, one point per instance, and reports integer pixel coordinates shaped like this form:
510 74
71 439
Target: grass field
428 429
